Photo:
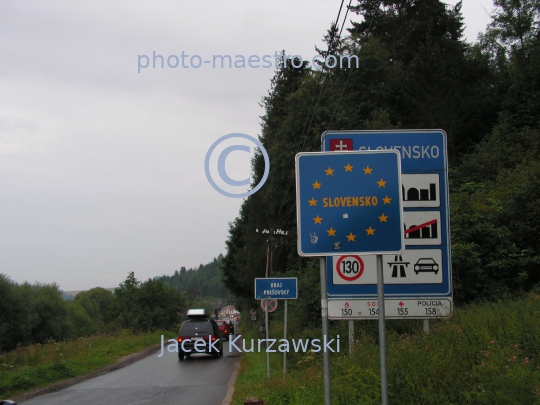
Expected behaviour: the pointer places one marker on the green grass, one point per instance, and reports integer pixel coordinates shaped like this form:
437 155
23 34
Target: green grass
484 354
36 366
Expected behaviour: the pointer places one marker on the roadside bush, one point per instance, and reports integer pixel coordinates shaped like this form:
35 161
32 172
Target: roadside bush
146 306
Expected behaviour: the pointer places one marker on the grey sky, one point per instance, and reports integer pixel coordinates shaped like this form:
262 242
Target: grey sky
102 168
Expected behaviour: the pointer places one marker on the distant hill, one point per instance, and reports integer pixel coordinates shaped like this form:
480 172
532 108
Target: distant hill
69 295
204 281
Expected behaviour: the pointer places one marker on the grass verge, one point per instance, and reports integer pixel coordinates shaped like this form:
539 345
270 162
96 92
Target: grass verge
484 354
36 366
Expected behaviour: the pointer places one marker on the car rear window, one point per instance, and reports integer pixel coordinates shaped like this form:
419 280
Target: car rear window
221 323
191 328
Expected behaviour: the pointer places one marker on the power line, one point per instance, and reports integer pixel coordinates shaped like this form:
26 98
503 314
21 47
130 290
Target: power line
350 73
340 97
304 137
331 48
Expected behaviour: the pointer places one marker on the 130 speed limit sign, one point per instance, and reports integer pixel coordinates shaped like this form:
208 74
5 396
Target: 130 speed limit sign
350 268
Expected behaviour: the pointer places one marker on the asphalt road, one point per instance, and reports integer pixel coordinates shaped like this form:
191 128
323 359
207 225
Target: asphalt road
199 380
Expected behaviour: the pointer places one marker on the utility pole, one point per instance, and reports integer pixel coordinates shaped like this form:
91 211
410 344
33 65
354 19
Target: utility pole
269 254
270 247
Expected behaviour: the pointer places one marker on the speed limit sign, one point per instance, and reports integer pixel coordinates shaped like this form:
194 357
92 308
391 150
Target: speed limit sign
350 268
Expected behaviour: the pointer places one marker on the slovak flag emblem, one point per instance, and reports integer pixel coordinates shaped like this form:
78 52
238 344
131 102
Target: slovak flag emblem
339 145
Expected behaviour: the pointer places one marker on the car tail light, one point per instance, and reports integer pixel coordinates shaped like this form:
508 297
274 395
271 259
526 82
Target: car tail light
213 338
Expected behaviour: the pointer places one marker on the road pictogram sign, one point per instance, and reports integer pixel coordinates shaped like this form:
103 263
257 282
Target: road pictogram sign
398 263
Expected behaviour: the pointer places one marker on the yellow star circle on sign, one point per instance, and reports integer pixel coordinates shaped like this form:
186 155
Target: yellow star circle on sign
368 170
329 172
387 200
350 237
316 185
331 232
312 202
381 183
383 218
348 168
318 220
370 231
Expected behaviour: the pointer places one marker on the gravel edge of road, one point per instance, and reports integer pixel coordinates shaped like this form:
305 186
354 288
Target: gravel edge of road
230 391
122 362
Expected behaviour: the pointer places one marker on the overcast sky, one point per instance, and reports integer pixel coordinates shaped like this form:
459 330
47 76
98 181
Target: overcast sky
102 167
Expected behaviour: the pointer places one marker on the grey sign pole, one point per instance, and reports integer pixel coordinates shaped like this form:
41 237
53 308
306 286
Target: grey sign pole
266 328
324 313
285 337
382 330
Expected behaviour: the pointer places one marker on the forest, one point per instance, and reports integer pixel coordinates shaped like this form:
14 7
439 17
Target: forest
203 281
416 71
41 313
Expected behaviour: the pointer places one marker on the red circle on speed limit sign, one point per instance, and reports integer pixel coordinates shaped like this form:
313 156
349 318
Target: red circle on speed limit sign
350 269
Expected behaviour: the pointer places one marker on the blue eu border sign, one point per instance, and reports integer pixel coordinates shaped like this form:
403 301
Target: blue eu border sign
418 282
285 288
349 203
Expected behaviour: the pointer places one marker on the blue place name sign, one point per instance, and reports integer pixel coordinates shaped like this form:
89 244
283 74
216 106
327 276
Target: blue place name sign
349 203
276 288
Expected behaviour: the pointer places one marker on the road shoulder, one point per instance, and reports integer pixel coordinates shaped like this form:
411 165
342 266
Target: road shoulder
122 362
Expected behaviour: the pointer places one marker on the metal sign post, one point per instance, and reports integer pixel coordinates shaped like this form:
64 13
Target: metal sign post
266 330
382 331
269 305
285 337
324 315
